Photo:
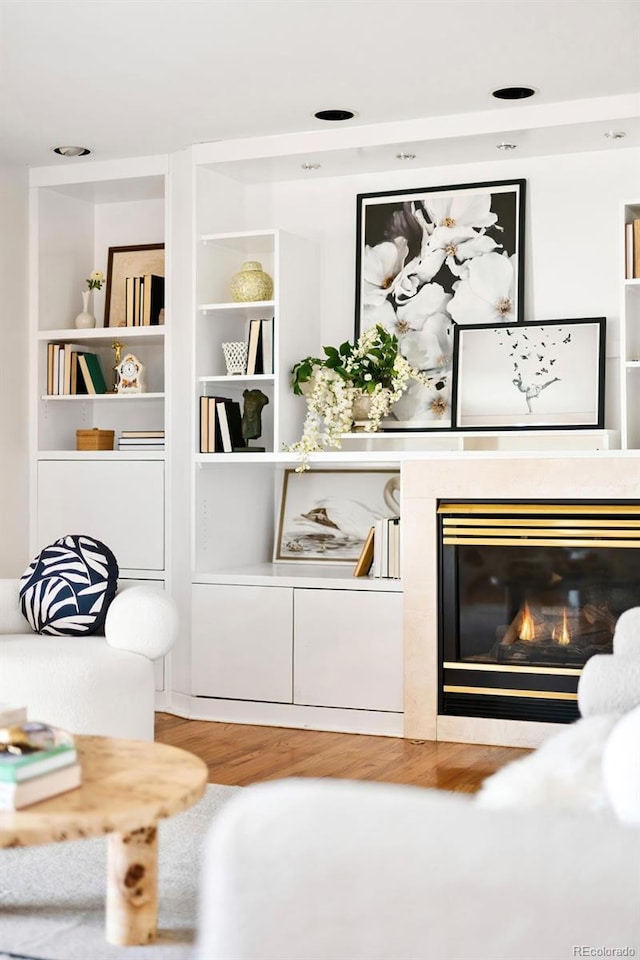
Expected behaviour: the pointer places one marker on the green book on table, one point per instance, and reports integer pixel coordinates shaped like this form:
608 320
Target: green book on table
15 768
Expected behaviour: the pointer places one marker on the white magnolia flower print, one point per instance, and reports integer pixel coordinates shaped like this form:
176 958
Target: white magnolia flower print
382 263
487 294
430 299
420 404
460 210
455 245
430 347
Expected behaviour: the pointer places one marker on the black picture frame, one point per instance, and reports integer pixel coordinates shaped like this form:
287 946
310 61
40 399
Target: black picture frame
546 375
428 284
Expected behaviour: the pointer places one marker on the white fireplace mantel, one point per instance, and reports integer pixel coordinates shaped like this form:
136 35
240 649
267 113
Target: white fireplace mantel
609 475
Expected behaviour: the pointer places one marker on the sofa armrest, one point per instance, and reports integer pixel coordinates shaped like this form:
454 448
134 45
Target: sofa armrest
144 620
609 683
11 618
303 870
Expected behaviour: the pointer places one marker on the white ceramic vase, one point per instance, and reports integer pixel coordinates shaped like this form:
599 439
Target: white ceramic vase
85 320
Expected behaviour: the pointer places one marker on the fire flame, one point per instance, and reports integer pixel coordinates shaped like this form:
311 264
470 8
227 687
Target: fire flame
562 634
527 626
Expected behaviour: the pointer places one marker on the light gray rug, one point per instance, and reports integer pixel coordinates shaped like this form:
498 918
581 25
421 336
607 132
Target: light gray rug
52 897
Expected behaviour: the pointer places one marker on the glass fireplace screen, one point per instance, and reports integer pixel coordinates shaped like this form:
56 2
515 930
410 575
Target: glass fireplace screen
535 584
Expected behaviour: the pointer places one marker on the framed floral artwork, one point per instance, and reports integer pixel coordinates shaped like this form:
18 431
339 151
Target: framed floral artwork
532 376
325 515
431 259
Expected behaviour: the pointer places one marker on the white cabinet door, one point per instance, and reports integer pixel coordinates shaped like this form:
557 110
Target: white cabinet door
242 642
119 503
348 649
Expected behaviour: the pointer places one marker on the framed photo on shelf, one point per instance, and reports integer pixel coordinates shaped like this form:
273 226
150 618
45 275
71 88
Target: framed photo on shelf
325 515
429 259
123 262
533 376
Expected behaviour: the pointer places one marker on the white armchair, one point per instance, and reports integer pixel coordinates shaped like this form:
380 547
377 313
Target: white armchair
100 685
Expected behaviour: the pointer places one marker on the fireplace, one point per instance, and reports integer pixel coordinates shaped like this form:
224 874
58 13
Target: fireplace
528 592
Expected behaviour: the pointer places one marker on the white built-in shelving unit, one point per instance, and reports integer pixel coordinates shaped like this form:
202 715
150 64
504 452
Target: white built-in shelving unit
286 643
630 347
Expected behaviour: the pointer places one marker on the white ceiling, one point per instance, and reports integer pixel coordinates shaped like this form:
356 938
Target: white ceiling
138 77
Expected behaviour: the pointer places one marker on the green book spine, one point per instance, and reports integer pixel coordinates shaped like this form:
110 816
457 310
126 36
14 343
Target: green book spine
95 370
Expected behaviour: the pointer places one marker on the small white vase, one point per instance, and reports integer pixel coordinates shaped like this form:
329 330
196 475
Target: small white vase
85 320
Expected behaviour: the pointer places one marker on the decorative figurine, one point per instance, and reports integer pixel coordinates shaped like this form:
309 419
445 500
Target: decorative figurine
117 348
130 375
254 401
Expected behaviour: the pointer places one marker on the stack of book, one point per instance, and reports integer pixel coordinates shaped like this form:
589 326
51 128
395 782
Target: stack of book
36 762
141 440
220 425
72 370
632 250
380 555
144 300
260 347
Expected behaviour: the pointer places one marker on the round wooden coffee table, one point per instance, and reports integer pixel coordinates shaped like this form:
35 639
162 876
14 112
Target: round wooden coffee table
127 786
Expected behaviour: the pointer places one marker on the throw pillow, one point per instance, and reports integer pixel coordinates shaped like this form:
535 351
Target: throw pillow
68 587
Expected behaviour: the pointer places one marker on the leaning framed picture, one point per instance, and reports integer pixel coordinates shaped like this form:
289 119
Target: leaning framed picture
432 258
123 262
547 375
325 515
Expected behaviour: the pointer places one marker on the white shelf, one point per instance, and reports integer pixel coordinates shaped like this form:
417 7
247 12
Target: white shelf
632 283
104 336
632 364
100 455
237 378
300 574
269 456
250 305
102 396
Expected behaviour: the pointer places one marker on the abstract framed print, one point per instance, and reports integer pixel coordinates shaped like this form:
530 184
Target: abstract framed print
431 259
547 375
325 515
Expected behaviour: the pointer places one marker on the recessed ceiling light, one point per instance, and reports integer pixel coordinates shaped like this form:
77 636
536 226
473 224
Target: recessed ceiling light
506 146
405 156
71 151
615 134
334 115
513 93
310 166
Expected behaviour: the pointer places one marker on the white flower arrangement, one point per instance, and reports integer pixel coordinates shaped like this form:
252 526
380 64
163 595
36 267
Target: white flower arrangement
95 281
370 367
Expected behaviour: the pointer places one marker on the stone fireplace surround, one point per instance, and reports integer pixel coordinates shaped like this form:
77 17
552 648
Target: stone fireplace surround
606 475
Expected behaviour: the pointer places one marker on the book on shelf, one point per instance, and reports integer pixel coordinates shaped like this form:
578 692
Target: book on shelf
128 301
11 714
632 250
386 548
152 299
230 420
266 340
365 560
254 348
15 796
142 434
204 425
92 373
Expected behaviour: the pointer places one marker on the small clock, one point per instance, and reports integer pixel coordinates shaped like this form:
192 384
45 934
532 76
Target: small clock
130 375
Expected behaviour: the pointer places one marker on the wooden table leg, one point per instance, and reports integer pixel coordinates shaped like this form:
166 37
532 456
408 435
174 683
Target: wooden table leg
132 887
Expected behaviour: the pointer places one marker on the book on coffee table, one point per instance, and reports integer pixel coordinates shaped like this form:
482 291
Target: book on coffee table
14 796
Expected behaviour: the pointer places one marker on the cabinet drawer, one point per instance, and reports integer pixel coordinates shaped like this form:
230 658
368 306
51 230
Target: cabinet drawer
348 649
121 504
242 643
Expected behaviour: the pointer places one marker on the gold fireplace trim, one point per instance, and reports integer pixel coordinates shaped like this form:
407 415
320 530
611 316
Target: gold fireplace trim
543 509
534 522
528 541
509 668
501 692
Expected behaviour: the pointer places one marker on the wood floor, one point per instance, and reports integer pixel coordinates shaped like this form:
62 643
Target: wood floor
240 755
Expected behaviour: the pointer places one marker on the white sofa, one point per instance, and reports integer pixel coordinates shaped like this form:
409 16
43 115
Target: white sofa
337 870
100 685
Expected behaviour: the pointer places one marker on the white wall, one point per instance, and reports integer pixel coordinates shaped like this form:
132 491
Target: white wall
14 472
572 234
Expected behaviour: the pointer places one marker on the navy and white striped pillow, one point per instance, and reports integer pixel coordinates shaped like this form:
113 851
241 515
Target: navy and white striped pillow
67 589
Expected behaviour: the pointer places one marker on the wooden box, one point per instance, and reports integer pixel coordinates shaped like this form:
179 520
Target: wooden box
94 439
